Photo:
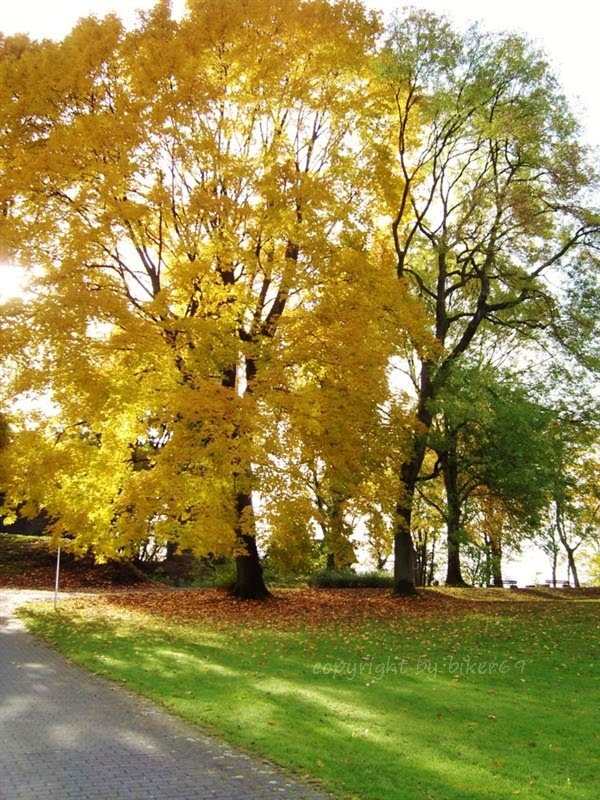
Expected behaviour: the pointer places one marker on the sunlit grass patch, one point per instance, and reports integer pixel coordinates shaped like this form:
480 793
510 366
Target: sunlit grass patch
493 704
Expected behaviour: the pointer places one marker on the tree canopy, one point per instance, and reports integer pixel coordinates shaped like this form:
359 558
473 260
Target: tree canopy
492 202
235 223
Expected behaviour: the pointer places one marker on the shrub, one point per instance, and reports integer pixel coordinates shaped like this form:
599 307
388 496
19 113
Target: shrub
345 579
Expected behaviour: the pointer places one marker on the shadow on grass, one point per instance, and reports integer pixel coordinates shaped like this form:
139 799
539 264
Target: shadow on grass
381 724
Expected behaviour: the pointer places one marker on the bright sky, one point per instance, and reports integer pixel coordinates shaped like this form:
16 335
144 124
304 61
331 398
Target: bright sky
567 31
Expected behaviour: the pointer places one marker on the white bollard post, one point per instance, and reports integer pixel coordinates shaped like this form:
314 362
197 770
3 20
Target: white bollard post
57 577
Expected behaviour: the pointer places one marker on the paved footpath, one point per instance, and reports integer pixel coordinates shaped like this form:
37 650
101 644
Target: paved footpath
66 734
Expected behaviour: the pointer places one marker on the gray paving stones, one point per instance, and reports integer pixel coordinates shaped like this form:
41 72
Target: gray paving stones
68 735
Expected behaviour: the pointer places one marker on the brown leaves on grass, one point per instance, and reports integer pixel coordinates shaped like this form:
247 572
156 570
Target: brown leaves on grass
289 607
299 606
81 576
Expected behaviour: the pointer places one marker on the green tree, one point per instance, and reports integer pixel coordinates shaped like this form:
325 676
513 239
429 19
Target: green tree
492 197
574 511
489 434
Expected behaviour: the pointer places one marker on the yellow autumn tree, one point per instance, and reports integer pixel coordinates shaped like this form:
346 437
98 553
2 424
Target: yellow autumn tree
178 190
331 435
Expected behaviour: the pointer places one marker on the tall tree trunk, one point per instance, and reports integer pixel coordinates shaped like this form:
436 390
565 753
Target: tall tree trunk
487 576
339 549
563 536
249 583
404 551
572 566
496 565
171 549
453 572
421 560
430 576
404 564
449 462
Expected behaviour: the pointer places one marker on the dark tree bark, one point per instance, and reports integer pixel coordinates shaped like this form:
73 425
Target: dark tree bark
569 549
424 541
554 567
453 573
449 463
336 542
404 565
496 562
421 560
572 566
431 565
249 583
404 551
171 549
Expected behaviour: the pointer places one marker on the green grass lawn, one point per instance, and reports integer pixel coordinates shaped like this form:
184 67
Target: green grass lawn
445 704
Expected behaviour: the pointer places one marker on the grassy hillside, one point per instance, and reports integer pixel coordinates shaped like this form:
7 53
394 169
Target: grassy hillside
434 698
29 562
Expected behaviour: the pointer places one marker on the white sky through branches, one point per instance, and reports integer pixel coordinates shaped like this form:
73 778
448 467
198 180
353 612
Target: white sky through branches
568 32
